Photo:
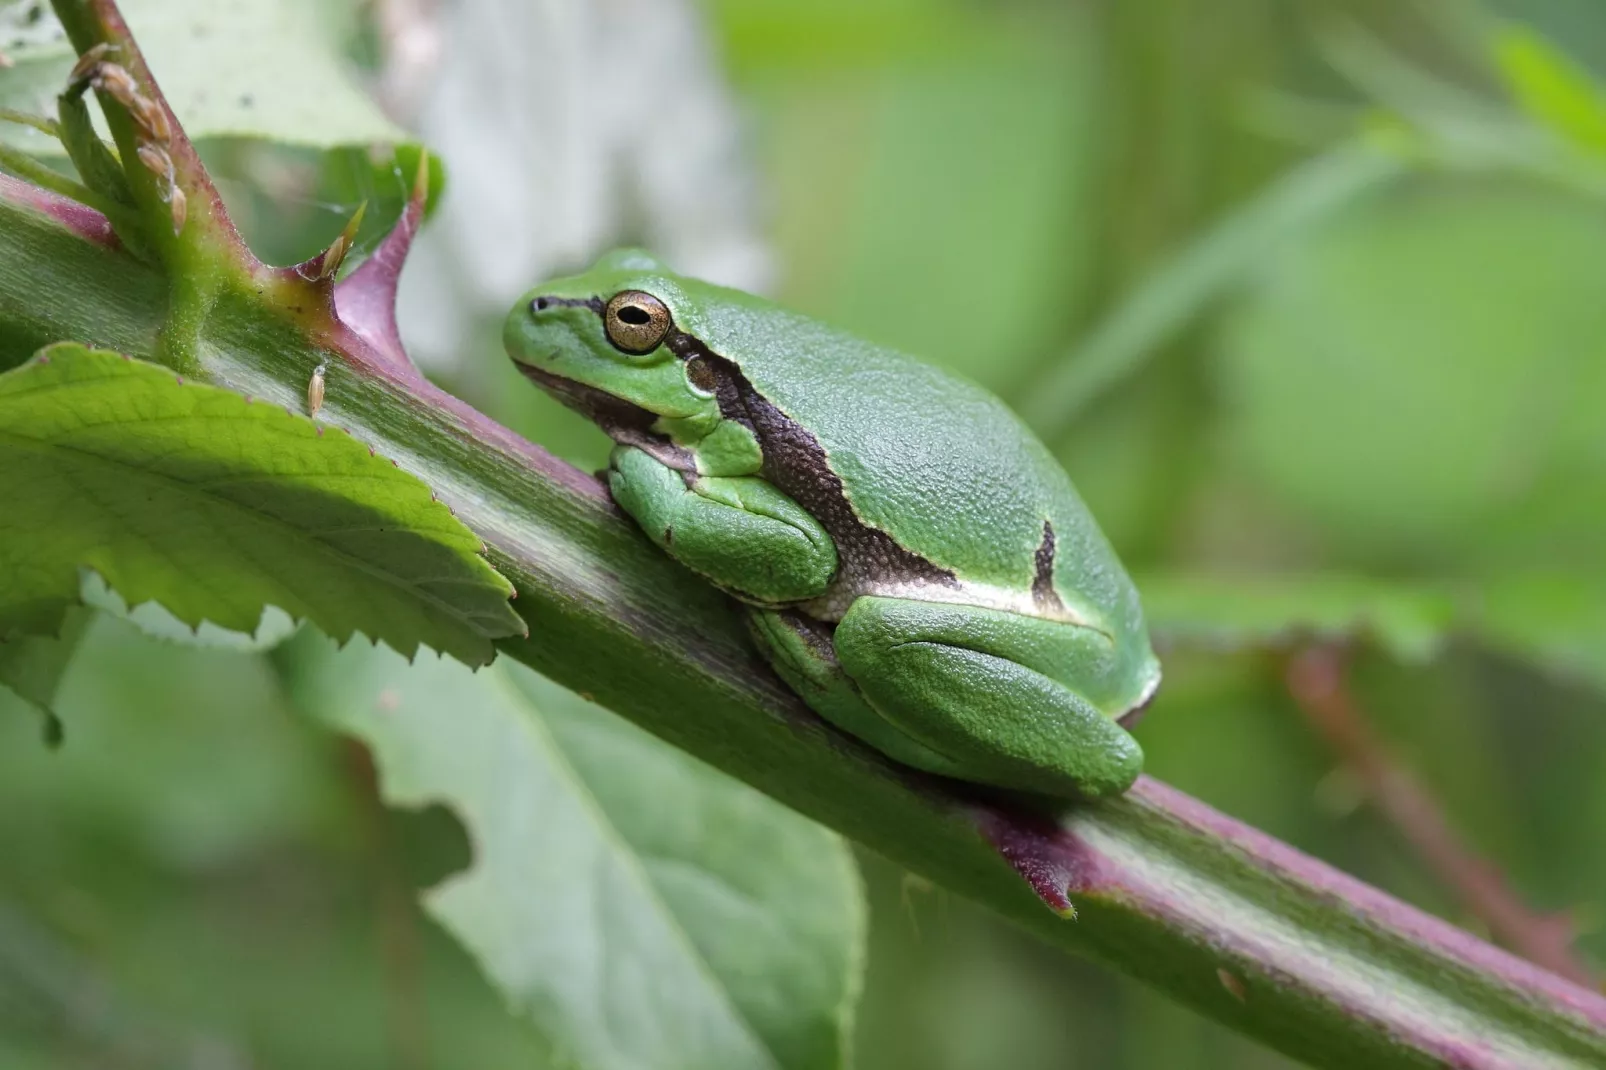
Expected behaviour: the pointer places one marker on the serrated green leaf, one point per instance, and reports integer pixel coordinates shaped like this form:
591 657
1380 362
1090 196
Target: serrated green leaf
1411 622
194 497
640 909
274 627
229 68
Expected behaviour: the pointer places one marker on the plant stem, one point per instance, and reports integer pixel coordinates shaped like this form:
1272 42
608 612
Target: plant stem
42 123
22 165
1319 683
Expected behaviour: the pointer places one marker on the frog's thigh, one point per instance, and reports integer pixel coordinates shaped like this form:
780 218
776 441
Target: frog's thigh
952 678
740 533
800 651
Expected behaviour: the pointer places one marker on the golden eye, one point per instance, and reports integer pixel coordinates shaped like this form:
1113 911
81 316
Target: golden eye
635 321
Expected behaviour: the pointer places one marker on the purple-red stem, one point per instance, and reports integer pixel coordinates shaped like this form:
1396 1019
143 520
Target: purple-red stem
1318 680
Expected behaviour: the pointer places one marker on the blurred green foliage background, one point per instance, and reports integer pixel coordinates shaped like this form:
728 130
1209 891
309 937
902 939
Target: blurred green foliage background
1401 377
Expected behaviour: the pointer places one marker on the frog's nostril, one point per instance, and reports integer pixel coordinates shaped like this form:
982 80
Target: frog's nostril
541 304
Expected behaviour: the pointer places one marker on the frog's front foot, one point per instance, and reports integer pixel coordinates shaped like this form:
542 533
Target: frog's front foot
996 694
739 533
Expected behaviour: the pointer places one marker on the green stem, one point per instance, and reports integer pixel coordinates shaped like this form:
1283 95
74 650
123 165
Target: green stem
44 124
22 165
1223 918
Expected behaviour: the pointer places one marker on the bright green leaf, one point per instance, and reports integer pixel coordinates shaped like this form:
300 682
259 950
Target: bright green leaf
1551 88
229 68
194 497
1234 611
638 908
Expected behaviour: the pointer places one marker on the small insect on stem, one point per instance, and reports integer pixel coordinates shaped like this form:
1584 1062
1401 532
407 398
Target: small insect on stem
115 80
315 388
151 118
179 205
87 63
156 161
327 264
333 257
95 71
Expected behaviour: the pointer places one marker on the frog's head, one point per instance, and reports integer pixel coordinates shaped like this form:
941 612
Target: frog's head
604 343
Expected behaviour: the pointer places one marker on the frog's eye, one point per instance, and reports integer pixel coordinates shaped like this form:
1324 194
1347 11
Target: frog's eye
635 321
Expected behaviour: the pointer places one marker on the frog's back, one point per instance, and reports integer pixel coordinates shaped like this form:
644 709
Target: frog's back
932 459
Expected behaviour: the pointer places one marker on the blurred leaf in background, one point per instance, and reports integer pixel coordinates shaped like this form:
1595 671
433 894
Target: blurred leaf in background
639 908
222 69
199 878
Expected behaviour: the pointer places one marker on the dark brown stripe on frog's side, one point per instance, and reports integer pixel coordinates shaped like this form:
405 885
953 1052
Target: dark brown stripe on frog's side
795 463
1043 592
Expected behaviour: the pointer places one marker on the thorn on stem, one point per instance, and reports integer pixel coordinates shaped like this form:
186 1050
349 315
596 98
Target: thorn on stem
365 300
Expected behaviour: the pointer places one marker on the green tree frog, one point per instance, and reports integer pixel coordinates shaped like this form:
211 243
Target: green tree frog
913 561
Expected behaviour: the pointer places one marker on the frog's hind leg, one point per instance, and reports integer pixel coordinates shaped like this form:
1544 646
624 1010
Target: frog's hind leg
986 690
800 650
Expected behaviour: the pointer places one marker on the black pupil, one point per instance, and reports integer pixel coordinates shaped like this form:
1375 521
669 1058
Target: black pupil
634 315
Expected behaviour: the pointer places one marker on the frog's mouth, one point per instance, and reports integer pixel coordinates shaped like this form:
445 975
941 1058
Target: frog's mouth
621 420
